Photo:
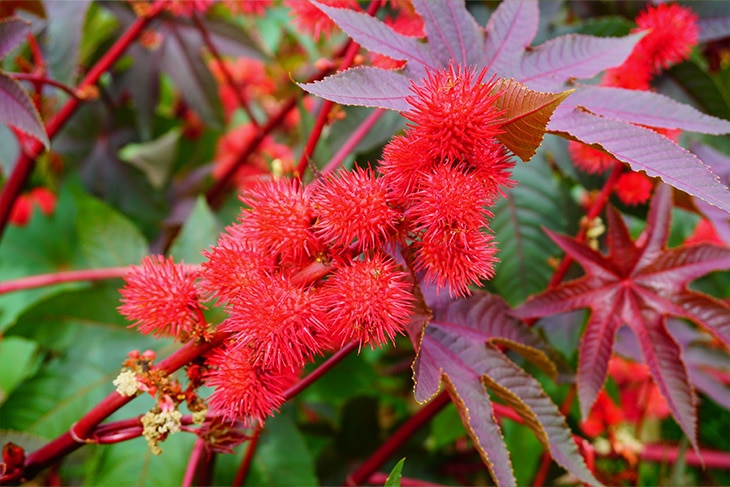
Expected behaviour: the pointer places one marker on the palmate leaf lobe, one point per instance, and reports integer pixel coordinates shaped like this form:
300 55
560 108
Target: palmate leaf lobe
459 348
639 284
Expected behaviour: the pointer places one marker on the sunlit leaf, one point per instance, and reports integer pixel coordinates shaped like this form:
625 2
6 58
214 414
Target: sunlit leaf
527 114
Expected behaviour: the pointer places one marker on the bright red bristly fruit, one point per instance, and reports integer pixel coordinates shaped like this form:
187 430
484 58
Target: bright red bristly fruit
278 219
456 112
633 188
162 297
367 300
354 206
673 33
281 322
245 389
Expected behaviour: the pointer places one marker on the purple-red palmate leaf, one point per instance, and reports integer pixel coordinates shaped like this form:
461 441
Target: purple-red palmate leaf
459 347
638 284
12 32
16 107
505 50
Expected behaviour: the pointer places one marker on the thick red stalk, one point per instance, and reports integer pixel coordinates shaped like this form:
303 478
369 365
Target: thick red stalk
397 439
82 431
26 162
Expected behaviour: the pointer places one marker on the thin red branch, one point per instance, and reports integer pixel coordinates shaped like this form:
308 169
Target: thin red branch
196 456
325 367
243 470
41 280
379 478
26 162
324 111
42 80
357 136
237 91
82 431
658 452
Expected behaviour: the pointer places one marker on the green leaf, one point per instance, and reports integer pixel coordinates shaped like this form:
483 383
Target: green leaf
132 463
16 363
107 238
85 341
523 267
446 428
396 474
712 96
199 232
154 158
282 458
26 251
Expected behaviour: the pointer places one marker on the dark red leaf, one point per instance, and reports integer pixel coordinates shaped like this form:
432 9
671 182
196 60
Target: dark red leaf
638 284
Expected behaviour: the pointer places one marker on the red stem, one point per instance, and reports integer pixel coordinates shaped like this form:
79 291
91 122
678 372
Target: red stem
240 95
26 162
324 111
596 208
82 431
243 470
657 452
41 280
42 80
397 439
379 478
196 457
320 371
356 137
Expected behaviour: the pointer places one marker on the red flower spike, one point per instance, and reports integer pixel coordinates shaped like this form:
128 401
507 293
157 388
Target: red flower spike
590 160
455 112
405 160
232 265
162 298
604 415
450 198
639 284
279 219
673 33
279 321
633 188
455 258
308 18
493 166
367 300
245 389
354 205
